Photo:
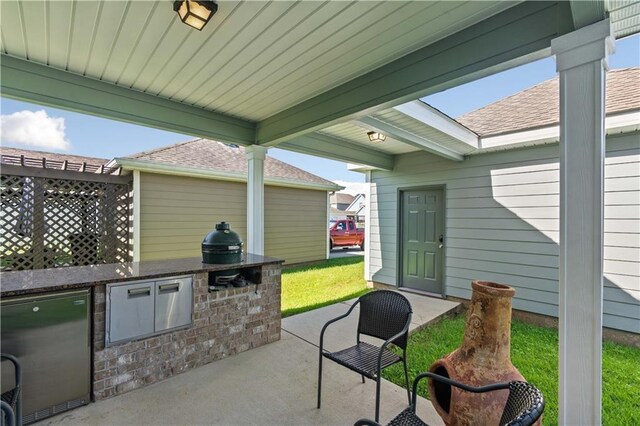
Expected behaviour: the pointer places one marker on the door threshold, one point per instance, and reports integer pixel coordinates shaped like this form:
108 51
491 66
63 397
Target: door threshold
421 292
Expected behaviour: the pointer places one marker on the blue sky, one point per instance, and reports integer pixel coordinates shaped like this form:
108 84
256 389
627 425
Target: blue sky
93 136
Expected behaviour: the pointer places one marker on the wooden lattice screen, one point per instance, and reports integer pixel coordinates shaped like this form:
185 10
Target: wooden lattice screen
49 222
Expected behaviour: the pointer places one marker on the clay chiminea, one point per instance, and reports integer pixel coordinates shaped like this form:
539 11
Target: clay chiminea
483 359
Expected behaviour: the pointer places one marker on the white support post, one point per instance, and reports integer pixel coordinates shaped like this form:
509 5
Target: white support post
367 228
136 215
255 198
581 60
328 245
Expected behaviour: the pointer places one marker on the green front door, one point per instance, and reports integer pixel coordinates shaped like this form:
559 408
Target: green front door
422 239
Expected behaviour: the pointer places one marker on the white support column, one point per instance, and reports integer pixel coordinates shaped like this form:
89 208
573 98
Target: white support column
328 245
581 58
255 198
367 228
136 215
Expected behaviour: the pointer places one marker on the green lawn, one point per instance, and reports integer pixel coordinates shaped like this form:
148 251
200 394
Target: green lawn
534 351
310 287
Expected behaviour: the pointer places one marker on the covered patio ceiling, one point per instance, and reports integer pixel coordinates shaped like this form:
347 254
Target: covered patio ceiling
310 77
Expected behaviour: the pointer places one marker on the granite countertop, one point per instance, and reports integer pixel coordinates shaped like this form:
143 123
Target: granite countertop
17 283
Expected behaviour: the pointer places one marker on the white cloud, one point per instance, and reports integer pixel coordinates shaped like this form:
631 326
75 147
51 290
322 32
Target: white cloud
34 128
352 188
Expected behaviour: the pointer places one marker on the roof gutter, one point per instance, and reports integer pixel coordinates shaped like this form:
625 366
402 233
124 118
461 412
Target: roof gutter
628 121
167 169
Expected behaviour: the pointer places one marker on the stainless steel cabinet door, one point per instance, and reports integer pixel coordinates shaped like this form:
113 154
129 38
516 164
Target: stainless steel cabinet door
131 311
50 337
174 303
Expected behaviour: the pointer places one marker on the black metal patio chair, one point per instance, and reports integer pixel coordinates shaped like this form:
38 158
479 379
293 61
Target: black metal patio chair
385 315
12 399
524 405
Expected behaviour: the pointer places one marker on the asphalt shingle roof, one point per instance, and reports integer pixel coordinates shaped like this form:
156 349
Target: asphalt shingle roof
342 198
217 156
538 106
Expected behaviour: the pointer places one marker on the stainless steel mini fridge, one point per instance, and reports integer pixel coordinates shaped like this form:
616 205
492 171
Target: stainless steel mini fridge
50 336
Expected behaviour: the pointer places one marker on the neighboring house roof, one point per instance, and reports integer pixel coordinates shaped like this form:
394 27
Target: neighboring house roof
538 106
220 160
357 203
51 160
341 198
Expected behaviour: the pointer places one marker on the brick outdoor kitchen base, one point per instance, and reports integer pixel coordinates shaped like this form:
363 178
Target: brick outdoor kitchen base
225 323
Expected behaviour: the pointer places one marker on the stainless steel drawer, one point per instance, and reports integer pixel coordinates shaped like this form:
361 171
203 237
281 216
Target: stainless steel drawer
174 303
131 311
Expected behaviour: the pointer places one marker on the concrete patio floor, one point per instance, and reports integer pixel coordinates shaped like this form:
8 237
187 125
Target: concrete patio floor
274 384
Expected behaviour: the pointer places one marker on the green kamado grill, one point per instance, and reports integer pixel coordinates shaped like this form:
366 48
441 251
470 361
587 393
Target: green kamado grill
222 246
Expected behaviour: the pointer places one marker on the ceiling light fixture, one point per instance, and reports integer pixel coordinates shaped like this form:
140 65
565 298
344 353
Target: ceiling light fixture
376 136
195 13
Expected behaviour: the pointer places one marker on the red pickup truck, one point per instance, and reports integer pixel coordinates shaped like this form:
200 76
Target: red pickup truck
344 233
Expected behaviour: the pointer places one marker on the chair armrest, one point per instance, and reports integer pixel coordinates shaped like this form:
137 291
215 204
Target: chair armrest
331 321
18 379
404 330
9 415
16 367
442 379
366 422
480 389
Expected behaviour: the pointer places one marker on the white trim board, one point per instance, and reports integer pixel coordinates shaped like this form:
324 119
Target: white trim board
619 123
136 215
430 116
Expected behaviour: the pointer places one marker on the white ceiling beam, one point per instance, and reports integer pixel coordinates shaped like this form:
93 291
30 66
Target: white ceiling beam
409 138
31 82
430 116
518 35
337 149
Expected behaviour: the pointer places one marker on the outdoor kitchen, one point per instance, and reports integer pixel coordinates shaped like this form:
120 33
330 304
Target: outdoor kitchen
114 327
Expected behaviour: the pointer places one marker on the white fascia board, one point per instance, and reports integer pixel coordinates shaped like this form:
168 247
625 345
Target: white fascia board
625 122
430 116
168 169
360 168
540 136
619 123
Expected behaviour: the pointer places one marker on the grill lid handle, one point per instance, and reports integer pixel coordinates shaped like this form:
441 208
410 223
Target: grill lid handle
222 226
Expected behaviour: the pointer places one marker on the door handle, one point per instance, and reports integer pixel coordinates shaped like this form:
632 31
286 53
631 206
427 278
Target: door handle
441 240
169 288
140 291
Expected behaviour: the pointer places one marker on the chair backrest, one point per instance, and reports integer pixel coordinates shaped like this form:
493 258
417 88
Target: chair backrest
383 314
524 405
